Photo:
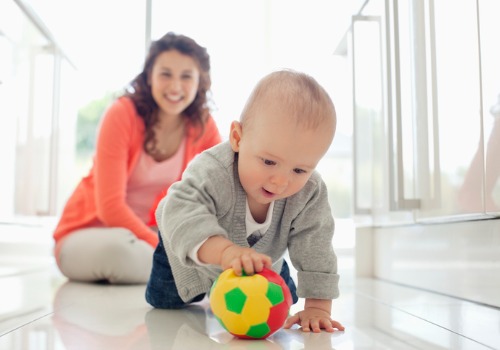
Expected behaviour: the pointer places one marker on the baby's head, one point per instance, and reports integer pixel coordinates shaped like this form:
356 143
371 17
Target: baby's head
286 127
296 96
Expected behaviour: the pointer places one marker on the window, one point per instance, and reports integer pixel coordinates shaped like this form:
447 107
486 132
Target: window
247 40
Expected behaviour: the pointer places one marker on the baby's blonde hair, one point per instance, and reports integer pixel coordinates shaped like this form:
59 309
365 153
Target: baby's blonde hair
297 94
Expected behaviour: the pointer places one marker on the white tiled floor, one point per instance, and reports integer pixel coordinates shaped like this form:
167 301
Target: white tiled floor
41 310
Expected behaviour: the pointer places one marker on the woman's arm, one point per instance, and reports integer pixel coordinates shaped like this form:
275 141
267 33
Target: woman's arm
117 140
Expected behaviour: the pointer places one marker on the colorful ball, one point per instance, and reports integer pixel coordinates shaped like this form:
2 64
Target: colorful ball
250 307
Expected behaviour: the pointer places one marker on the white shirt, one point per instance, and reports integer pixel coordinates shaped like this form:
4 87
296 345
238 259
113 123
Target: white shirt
252 226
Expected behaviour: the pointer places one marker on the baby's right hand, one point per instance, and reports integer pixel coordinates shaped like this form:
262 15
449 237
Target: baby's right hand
244 259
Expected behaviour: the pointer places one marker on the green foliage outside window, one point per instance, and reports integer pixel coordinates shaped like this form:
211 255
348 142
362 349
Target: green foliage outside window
87 123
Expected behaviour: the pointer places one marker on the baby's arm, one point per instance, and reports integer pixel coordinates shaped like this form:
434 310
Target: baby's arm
218 250
315 316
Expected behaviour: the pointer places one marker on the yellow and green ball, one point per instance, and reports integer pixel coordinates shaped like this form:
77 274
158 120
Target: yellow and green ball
250 307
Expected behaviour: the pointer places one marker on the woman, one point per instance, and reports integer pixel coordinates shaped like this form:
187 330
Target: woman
146 139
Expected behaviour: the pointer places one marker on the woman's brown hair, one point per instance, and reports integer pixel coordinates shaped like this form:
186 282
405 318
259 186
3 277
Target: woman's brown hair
139 90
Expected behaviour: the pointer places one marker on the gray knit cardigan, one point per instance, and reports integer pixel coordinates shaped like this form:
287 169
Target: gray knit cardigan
209 200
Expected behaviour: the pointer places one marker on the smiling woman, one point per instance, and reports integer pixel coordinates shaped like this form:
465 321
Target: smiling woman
146 139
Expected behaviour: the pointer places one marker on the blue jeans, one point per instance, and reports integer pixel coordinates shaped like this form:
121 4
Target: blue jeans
161 291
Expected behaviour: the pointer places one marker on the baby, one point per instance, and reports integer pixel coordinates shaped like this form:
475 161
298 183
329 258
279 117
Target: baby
244 203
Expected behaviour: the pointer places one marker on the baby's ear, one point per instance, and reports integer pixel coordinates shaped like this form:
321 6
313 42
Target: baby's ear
235 135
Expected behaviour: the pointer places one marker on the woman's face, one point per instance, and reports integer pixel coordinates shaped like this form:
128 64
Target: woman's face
174 82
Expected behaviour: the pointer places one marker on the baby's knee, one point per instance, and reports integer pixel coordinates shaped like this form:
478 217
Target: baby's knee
161 296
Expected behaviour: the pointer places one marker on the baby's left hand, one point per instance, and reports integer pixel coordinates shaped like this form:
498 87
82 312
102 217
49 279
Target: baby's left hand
314 319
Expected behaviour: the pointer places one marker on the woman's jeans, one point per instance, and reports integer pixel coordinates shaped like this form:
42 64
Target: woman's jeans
161 291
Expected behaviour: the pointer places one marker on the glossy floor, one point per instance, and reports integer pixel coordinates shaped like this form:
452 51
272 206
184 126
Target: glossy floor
40 310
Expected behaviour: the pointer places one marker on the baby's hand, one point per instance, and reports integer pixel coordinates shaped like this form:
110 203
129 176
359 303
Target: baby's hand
244 259
313 319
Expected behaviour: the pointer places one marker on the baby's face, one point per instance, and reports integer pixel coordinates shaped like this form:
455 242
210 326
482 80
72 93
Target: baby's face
277 156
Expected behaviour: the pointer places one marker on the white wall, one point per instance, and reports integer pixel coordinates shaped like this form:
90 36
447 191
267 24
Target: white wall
460 259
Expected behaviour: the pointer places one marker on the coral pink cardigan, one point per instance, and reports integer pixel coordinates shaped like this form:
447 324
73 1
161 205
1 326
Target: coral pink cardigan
99 198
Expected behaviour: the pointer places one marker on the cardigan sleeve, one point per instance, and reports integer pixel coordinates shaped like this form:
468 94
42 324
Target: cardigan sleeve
191 211
310 243
117 144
